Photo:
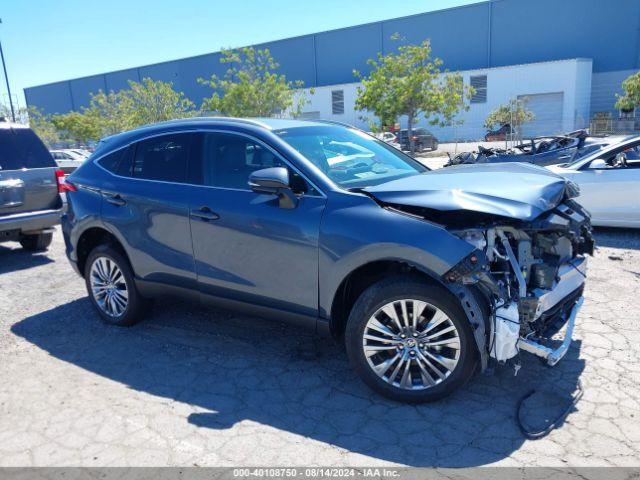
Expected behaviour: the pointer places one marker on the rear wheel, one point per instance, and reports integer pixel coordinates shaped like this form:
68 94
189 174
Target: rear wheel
36 243
112 290
410 341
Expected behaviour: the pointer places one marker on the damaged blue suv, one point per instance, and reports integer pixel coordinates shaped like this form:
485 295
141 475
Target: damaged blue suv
427 276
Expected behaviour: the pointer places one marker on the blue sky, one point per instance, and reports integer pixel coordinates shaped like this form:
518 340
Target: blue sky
50 40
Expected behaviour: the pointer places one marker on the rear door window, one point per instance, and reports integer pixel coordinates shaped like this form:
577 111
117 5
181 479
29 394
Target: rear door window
21 148
162 158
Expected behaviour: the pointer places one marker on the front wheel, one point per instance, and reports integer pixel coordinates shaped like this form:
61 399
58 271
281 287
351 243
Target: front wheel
410 341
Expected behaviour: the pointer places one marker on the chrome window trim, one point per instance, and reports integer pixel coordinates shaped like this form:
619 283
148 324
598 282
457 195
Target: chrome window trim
205 130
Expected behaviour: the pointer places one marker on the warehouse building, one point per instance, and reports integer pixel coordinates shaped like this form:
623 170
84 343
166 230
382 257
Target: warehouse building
566 59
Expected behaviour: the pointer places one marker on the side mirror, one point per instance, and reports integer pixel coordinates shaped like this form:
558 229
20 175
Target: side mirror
274 181
598 164
621 159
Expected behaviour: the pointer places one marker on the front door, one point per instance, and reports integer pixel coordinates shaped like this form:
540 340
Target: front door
247 248
610 192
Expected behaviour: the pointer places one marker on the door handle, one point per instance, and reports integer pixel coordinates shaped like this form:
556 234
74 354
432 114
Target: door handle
114 199
205 214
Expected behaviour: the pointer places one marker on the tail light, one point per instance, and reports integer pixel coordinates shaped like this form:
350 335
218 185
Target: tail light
63 185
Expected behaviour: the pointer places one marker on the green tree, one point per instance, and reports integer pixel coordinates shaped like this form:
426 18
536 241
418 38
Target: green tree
76 127
42 125
631 97
251 87
409 82
514 112
154 101
149 101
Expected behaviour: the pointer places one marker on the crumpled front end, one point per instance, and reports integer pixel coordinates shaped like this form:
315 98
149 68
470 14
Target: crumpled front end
533 275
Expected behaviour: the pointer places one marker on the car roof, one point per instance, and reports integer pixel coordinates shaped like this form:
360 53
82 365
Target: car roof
269 124
260 123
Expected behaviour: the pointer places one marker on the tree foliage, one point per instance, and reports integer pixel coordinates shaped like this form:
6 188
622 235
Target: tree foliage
149 101
155 101
514 113
75 127
43 127
631 97
251 87
409 82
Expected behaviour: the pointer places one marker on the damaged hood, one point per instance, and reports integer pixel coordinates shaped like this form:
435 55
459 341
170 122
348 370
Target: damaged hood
514 190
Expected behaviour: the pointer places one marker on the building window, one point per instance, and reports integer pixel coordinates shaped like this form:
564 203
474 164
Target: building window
479 84
337 102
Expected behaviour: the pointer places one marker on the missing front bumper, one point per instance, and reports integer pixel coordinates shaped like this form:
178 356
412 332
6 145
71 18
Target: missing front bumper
553 356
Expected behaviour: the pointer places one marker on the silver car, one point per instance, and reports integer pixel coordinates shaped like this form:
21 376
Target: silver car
609 181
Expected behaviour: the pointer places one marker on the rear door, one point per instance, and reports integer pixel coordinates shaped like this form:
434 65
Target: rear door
147 205
27 173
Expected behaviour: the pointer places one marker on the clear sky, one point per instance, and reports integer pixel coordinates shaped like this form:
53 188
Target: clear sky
50 40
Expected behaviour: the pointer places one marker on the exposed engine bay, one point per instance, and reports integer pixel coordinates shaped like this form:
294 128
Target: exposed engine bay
528 242
534 275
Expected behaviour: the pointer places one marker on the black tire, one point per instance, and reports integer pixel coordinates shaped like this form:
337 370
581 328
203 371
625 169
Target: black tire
36 243
397 288
136 305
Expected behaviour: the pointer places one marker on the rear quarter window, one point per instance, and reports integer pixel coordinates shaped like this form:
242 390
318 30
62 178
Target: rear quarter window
21 148
111 161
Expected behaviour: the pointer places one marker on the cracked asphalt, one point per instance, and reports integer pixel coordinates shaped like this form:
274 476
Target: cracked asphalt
196 386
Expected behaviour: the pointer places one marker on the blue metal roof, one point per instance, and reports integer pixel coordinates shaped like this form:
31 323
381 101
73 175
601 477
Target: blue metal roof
480 35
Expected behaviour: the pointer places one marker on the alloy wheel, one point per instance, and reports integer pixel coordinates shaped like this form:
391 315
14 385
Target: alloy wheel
411 344
109 287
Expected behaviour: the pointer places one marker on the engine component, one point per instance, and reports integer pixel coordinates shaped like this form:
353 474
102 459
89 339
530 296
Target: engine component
506 333
543 276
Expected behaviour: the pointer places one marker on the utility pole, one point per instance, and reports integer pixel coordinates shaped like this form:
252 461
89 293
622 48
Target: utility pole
6 78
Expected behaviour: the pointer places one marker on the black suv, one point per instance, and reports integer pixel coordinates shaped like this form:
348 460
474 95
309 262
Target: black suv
30 186
423 139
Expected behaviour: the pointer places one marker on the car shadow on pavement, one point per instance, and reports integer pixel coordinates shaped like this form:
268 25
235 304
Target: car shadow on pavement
231 369
14 259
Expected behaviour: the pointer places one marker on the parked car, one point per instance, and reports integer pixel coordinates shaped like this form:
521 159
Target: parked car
388 138
30 186
67 160
428 276
423 139
609 181
81 152
503 133
541 151
391 139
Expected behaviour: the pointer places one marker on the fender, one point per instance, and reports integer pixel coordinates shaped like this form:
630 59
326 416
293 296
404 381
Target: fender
383 234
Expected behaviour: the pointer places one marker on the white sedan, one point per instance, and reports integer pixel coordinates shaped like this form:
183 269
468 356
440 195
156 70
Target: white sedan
609 182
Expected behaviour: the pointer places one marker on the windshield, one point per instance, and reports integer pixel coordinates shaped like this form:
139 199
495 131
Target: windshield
349 157
601 153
